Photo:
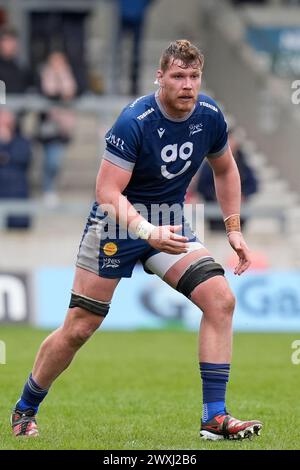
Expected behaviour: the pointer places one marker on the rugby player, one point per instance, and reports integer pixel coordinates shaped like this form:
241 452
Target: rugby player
152 152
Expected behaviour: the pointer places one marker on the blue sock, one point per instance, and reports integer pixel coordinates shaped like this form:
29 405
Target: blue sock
32 396
214 381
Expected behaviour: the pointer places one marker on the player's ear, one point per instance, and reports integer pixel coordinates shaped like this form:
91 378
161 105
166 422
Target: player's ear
159 78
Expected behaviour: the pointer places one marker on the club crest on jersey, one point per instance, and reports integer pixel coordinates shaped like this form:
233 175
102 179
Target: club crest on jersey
161 132
194 128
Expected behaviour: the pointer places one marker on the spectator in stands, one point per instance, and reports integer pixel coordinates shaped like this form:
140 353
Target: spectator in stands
131 22
205 182
56 77
16 77
62 29
15 156
55 126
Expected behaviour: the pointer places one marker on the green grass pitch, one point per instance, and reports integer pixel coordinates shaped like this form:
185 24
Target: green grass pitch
142 390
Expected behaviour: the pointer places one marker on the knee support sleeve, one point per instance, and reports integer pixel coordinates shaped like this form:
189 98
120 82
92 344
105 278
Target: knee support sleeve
197 273
97 307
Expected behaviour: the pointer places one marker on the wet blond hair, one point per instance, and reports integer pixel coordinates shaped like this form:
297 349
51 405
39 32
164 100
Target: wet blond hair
184 51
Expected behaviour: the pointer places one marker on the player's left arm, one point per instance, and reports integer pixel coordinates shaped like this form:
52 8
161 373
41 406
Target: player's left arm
228 191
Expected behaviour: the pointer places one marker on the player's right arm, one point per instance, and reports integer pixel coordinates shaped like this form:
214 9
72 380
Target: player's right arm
123 146
111 182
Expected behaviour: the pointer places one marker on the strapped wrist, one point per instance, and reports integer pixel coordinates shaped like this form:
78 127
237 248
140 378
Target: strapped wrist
144 229
232 223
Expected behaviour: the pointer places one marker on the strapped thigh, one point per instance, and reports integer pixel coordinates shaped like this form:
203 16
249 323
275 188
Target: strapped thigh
97 307
198 272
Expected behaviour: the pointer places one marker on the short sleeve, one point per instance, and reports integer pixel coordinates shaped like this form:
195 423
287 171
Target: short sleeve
219 140
123 142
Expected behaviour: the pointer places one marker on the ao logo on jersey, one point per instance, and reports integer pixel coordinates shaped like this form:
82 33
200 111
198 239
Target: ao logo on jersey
171 152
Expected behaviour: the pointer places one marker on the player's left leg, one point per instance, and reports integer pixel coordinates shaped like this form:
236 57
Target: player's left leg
90 299
202 280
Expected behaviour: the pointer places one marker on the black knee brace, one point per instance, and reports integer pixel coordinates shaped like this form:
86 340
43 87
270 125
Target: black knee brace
97 307
198 272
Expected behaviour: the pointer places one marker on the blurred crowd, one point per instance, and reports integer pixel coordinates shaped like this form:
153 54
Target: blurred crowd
57 70
54 79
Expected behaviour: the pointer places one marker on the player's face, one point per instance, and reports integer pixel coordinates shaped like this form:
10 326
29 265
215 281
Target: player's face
179 88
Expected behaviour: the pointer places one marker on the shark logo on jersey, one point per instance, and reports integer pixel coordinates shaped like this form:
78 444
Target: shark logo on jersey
194 128
170 153
161 132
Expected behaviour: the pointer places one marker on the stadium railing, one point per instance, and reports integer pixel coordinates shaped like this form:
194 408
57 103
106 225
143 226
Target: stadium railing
79 207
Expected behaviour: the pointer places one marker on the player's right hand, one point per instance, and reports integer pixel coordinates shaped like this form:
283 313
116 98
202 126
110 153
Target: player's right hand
165 239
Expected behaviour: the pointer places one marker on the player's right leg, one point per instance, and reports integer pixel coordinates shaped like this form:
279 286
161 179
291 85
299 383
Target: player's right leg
200 279
89 305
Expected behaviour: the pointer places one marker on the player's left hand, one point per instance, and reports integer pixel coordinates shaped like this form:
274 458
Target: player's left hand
239 245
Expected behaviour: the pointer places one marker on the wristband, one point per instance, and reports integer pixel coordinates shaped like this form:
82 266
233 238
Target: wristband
144 229
232 223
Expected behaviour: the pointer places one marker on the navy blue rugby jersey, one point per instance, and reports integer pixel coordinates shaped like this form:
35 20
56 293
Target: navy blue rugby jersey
164 153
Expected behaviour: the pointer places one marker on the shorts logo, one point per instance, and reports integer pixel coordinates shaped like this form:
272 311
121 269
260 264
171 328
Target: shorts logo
110 249
110 263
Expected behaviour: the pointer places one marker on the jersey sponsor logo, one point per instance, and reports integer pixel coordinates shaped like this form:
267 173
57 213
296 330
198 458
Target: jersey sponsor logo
170 153
195 128
136 101
145 114
116 141
110 263
161 132
208 105
110 249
